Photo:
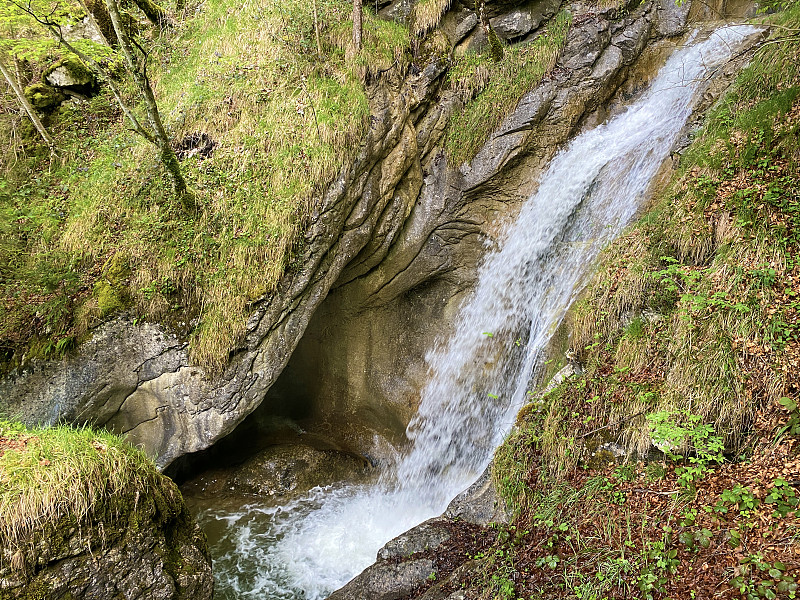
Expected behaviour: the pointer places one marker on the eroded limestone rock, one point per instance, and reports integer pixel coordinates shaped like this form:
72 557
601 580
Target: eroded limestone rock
521 21
391 251
386 581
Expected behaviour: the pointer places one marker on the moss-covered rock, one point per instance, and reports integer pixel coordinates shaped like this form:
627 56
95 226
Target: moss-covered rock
43 97
110 290
86 516
71 73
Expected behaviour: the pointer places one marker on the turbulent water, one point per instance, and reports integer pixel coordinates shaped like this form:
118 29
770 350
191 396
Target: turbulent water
309 547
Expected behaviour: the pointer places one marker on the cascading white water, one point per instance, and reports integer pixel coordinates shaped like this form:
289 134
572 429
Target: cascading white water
309 547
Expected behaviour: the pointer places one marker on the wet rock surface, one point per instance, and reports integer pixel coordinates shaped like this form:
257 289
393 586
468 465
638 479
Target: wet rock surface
392 247
282 472
434 554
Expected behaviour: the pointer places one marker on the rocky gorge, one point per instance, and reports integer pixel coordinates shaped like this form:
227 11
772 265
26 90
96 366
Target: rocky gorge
332 365
399 219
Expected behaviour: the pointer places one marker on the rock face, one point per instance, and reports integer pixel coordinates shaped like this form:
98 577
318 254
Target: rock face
392 248
404 563
154 551
521 21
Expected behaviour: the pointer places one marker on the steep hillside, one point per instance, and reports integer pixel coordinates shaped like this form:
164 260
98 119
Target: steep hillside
94 230
688 338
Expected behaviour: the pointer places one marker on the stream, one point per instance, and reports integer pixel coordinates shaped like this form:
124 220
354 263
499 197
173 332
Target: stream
311 546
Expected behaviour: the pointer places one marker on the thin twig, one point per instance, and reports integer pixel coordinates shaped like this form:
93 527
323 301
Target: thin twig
313 110
643 491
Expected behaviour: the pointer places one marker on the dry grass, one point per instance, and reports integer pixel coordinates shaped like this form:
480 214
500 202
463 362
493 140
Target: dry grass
426 15
49 474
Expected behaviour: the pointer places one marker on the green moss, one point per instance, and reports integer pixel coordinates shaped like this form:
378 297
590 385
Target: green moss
28 134
496 46
111 289
74 66
108 299
36 590
43 97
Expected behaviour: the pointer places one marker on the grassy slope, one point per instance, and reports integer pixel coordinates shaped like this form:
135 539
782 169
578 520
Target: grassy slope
97 231
690 331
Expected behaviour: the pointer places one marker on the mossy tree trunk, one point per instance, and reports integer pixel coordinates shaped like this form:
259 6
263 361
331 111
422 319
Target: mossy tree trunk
159 134
155 13
37 122
95 21
99 14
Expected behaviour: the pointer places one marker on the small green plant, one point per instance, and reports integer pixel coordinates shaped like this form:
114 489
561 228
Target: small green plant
626 472
759 579
614 495
660 561
734 538
784 497
740 496
673 431
692 539
550 561
793 424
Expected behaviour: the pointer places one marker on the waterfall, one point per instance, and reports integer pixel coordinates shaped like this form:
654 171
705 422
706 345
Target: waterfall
591 190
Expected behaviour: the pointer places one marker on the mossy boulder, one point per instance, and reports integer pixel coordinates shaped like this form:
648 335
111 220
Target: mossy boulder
70 73
283 471
43 97
84 515
111 290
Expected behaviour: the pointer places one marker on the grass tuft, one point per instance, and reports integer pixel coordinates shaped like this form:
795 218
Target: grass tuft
498 87
426 15
48 474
